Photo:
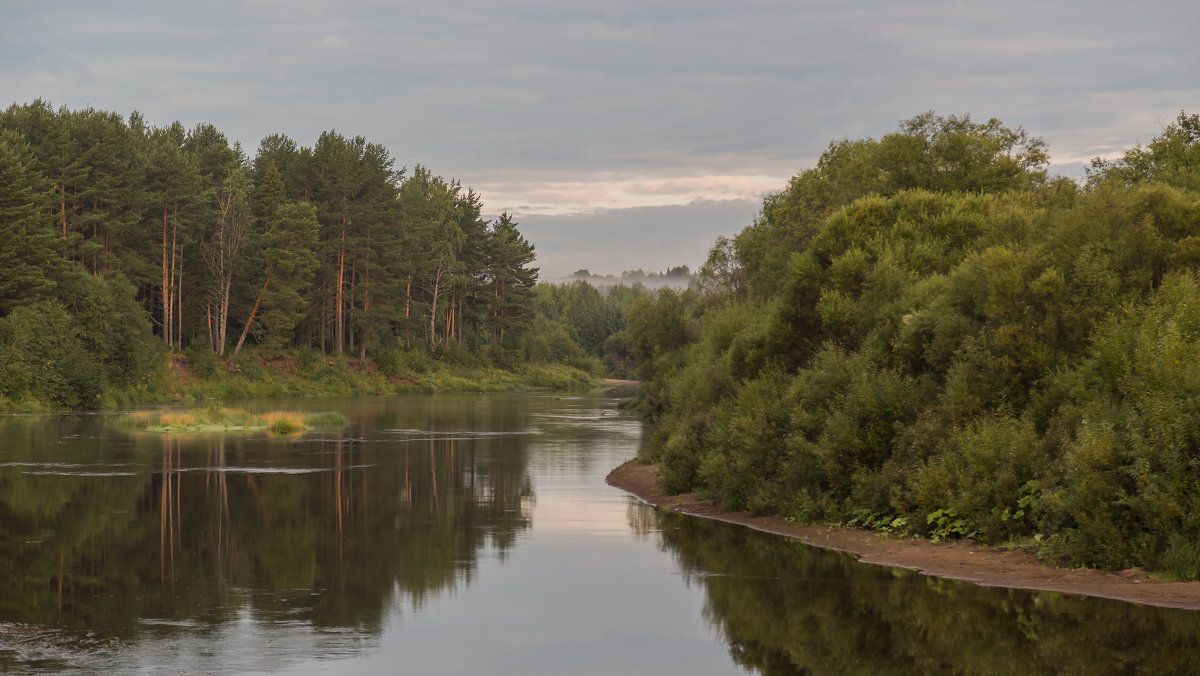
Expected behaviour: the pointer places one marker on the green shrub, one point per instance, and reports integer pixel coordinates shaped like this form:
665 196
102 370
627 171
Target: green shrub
284 426
1182 557
985 475
249 368
201 360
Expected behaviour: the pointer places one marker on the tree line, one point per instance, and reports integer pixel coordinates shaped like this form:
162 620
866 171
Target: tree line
327 247
925 333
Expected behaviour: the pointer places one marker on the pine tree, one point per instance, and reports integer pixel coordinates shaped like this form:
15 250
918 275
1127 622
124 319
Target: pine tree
176 207
511 279
289 244
28 258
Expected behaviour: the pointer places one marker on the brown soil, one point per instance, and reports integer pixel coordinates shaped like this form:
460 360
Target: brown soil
615 381
988 566
182 367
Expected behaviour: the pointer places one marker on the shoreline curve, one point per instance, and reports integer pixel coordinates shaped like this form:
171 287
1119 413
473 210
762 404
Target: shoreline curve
986 566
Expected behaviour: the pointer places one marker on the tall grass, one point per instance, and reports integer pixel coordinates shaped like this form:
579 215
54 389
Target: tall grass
217 419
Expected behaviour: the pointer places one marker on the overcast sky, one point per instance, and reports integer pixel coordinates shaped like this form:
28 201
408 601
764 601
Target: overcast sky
622 133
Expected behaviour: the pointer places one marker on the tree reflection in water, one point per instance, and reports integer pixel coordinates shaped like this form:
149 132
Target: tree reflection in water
787 608
97 539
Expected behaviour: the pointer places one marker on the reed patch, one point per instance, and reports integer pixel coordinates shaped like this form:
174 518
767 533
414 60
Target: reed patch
224 420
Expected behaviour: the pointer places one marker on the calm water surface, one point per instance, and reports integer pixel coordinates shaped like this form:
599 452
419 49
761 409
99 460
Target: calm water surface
469 535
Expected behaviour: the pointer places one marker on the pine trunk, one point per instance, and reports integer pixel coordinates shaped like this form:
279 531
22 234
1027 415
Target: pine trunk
249 322
339 324
166 279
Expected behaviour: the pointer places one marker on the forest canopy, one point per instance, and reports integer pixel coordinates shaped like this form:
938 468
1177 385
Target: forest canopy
927 334
117 236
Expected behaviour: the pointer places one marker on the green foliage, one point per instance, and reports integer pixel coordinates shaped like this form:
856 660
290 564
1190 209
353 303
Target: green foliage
68 352
217 419
27 253
1182 557
923 334
284 427
289 241
946 524
390 360
1172 157
140 231
201 360
884 523
579 325
928 152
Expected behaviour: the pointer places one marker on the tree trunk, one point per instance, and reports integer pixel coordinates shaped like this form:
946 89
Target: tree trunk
166 279
176 270
212 345
366 309
253 312
340 327
437 279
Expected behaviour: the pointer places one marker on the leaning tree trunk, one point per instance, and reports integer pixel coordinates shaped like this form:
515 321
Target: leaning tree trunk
246 330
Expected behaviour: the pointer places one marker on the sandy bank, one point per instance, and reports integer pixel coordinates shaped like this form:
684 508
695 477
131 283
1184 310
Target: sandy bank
989 566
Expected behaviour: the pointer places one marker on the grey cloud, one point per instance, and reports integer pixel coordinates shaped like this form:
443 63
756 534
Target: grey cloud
485 90
615 84
652 238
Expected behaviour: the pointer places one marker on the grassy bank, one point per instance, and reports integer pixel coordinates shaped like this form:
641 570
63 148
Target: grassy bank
198 379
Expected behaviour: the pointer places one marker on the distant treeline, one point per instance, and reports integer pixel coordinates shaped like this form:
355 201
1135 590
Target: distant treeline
681 271
926 334
584 326
115 235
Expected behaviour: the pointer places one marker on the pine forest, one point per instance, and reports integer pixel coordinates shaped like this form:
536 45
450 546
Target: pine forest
123 242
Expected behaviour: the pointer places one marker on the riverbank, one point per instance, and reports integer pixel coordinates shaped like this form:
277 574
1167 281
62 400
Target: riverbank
987 566
280 375
201 379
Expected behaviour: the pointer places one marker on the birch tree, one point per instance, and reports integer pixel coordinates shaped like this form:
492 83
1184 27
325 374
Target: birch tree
225 244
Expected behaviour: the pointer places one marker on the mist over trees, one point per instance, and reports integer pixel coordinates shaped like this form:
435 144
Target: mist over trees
328 247
925 333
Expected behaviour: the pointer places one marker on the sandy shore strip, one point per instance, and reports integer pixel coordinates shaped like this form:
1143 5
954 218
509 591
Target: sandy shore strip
988 566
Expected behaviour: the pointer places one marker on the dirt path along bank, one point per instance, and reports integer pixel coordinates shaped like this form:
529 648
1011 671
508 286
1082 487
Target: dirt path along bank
988 566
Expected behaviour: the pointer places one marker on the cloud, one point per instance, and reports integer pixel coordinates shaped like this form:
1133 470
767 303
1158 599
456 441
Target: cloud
652 238
594 193
549 107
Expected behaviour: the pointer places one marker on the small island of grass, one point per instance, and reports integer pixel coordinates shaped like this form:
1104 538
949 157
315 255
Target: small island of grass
218 420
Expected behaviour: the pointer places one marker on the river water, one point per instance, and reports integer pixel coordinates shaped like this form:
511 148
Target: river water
468 535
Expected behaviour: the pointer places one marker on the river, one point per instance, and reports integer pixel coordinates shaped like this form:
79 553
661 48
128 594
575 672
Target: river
469 534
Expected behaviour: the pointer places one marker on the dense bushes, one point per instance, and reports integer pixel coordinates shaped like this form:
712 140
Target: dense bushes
86 339
1005 357
582 326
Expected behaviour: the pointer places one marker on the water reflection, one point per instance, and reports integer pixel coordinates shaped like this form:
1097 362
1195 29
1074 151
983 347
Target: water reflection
786 608
124 552
197 535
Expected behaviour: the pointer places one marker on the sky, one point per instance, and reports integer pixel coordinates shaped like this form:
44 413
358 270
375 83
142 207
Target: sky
621 134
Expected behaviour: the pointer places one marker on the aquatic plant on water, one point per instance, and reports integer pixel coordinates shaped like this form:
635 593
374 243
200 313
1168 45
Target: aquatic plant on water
216 420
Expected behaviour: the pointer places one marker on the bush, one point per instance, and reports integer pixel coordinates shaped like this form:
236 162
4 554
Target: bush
201 360
47 359
987 476
389 360
284 427
456 354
